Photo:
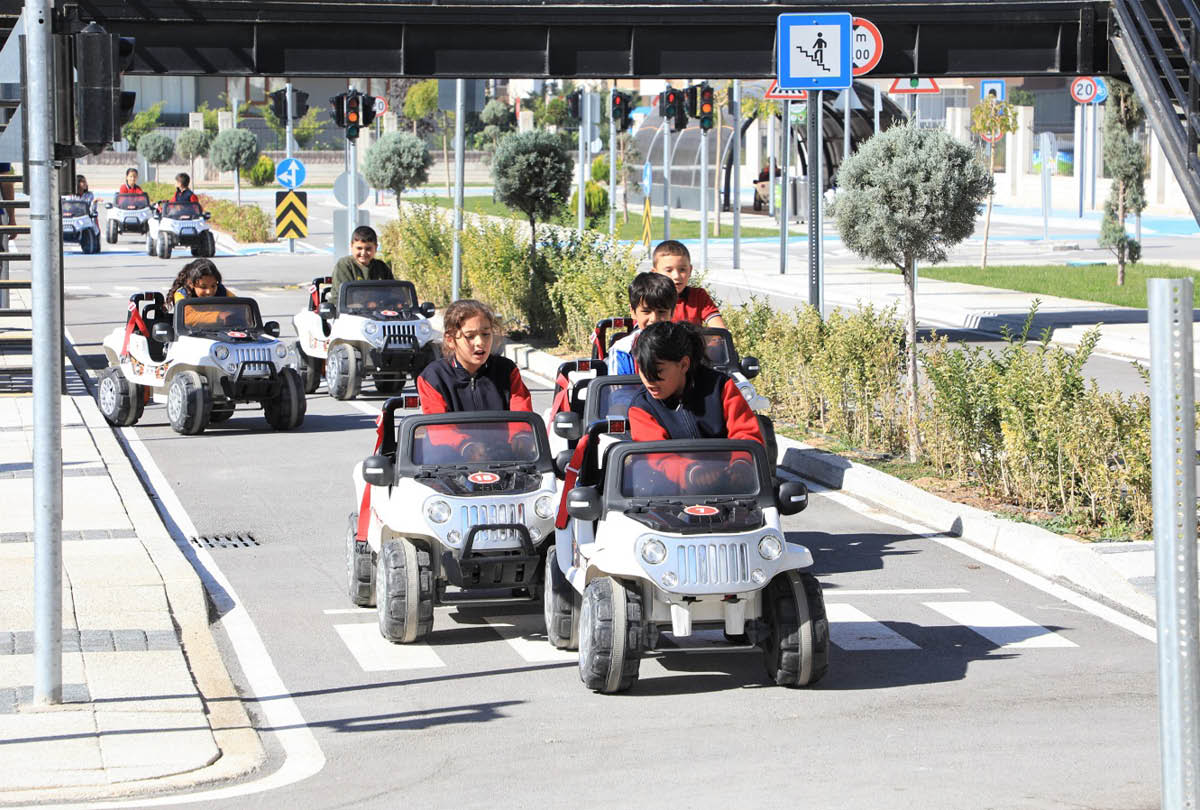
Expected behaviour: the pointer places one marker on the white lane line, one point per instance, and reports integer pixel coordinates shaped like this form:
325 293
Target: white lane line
348 611
1000 625
1097 609
853 630
834 593
517 631
303 756
374 653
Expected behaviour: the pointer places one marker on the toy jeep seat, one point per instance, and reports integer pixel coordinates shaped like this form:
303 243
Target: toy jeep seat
145 310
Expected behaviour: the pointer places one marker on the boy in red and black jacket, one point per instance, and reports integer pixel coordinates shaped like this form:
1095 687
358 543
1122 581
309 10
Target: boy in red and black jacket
692 304
683 397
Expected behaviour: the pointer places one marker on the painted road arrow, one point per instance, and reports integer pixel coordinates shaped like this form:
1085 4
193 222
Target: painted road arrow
291 214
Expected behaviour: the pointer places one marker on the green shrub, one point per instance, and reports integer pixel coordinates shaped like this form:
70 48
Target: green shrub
245 223
418 245
595 205
587 279
495 266
261 173
158 191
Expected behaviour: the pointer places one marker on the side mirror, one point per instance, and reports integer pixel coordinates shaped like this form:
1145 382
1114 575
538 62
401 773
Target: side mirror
326 311
750 367
378 471
271 328
568 425
207 215
428 309
108 205
792 497
162 332
583 503
560 463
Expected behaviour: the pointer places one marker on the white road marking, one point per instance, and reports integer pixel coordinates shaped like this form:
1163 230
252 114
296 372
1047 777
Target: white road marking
836 592
1000 625
853 630
516 630
1101 611
350 611
374 653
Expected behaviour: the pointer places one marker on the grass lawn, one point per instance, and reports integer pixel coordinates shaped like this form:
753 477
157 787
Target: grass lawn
630 231
1094 283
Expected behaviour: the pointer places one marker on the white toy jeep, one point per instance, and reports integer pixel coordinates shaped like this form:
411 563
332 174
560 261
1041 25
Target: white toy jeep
79 225
180 224
127 213
463 499
211 354
376 329
677 537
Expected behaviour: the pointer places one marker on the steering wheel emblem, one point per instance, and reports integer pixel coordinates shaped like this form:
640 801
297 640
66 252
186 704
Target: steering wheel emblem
483 478
700 510
391 313
236 334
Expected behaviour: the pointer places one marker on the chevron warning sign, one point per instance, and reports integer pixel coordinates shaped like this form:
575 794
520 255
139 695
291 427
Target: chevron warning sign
291 214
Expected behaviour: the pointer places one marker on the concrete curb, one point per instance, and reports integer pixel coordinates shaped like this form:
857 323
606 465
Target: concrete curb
1031 547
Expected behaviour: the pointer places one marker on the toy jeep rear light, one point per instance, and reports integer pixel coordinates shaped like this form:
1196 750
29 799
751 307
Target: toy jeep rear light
621 323
584 365
412 401
616 425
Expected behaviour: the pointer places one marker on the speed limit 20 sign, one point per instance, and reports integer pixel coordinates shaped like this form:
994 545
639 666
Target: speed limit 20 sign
867 48
1084 89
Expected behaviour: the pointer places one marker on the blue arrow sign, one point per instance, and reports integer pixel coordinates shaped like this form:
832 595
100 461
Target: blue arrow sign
290 173
647 173
1101 90
814 51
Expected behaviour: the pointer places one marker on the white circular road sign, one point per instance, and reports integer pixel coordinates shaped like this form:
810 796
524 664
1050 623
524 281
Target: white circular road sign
1084 89
380 105
867 48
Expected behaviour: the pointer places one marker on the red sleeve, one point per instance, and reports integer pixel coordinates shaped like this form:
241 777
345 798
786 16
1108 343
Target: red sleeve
431 399
740 421
518 395
705 305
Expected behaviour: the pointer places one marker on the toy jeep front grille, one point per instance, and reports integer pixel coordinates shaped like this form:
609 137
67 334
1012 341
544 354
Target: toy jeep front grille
399 330
491 515
252 354
712 564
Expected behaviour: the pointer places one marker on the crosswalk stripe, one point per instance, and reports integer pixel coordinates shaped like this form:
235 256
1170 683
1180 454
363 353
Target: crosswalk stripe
517 631
376 654
853 630
1000 625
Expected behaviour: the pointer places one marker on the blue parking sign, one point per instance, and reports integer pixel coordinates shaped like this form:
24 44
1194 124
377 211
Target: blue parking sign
290 173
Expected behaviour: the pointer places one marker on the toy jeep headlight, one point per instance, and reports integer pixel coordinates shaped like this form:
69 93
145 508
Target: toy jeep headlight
221 352
423 331
371 329
543 507
281 351
437 511
769 547
654 551
453 537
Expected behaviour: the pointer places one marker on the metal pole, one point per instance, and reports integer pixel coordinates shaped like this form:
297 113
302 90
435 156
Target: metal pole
812 147
846 126
1173 473
737 174
291 240
460 112
771 163
820 214
878 108
787 187
583 167
666 181
47 358
1095 176
1081 156
1137 218
1046 148
612 163
703 200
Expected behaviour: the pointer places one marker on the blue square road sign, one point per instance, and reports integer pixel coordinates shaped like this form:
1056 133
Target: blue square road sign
813 51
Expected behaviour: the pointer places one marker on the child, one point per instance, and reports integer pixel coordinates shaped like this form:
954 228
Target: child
199 278
131 182
694 305
182 192
651 299
685 399
82 193
361 264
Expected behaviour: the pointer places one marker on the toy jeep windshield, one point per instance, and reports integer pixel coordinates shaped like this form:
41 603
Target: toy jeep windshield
75 208
384 299
134 201
182 210
194 316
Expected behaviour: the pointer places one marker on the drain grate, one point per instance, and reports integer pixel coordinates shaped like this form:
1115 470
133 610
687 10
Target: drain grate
238 540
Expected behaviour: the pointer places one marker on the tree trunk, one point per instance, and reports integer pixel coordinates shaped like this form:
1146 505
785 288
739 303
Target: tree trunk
914 433
1121 214
987 219
532 245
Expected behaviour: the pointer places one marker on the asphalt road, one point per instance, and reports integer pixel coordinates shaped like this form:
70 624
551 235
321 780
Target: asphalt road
955 682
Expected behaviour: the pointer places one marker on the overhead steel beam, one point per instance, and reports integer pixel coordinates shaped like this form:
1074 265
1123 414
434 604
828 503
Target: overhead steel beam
588 38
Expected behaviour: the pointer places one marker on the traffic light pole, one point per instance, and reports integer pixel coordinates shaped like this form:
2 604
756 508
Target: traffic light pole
47 356
584 126
704 199
783 198
460 112
612 163
737 174
666 180
291 240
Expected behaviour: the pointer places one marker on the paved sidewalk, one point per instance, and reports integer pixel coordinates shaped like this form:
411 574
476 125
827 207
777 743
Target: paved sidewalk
147 703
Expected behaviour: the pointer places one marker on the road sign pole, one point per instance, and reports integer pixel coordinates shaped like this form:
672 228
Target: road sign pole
878 108
583 133
846 126
291 241
820 211
460 113
787 188
737 174
703 200
1173 474
1081 155
47 357
812 146
771 163
612 162
1095 151
667 180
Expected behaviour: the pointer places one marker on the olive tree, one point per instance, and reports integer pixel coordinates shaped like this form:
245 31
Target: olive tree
532 173
192 144
398 161
1126 163
232 151
156 148
908 195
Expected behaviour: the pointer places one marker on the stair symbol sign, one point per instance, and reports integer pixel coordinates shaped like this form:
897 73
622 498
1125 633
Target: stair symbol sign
818 53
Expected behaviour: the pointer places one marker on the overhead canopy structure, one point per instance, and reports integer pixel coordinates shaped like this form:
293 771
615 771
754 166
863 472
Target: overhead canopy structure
557 38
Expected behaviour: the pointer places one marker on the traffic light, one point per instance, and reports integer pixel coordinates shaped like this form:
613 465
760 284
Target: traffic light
706 109
671 108
368 110
573 105
279 104
338 112
299 103
622 114
354 117
101 108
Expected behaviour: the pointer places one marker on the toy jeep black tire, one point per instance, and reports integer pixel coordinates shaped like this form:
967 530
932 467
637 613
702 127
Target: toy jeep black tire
796 649
221 412
343 372
286 410
610 635
164 246
113 231
388 382
560 606
404 592
360 567
121 402
311 370
189 403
